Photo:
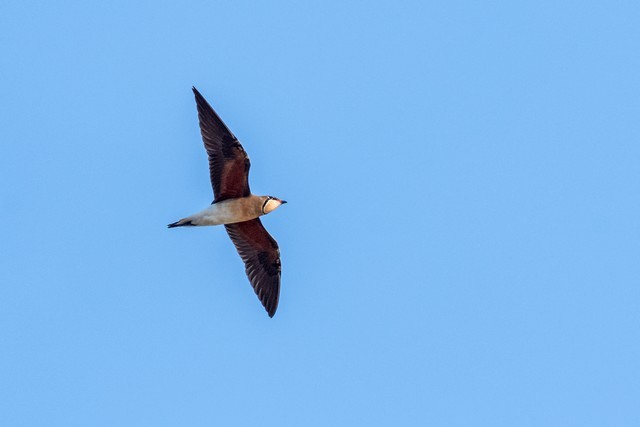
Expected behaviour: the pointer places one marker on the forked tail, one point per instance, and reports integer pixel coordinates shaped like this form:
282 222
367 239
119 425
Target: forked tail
181 223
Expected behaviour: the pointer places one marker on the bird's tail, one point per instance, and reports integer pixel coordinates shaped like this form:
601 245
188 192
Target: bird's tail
181 223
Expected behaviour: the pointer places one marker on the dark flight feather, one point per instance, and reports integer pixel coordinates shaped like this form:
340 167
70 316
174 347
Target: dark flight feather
261 257
228 162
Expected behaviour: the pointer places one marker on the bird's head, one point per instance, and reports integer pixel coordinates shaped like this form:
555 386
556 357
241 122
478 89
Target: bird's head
271 204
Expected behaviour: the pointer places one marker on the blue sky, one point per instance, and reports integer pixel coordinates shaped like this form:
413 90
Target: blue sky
461 241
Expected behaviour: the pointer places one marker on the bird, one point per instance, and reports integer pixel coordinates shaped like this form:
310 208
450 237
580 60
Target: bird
235 207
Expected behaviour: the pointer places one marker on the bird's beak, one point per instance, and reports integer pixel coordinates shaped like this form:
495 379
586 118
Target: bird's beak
282 202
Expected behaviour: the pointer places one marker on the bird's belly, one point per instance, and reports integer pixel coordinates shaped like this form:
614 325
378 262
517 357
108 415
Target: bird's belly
225 212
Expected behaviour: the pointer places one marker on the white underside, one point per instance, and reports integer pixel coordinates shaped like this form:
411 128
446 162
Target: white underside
225 212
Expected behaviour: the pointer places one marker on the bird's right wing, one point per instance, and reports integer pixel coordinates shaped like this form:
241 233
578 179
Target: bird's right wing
228 162
261 257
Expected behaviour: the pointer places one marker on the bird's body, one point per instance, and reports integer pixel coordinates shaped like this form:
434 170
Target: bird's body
227 211
236 208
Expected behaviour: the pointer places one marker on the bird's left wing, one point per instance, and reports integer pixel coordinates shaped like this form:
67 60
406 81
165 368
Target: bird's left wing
261 257
228 162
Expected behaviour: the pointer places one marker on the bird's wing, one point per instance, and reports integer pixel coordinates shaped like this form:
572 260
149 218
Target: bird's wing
228 162
261 257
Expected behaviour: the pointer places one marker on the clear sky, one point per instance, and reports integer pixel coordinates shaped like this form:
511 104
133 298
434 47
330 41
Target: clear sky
462 240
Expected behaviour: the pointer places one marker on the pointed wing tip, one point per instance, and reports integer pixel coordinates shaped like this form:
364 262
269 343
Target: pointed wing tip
197 93
270 306
205 108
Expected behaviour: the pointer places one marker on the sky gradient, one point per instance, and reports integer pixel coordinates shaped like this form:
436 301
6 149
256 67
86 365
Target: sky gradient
460 246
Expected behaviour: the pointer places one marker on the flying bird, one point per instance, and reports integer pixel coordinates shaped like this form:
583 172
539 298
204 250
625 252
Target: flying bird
235 207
